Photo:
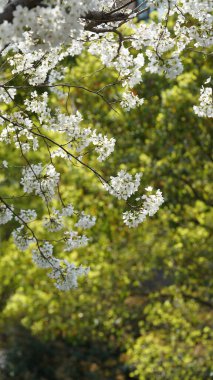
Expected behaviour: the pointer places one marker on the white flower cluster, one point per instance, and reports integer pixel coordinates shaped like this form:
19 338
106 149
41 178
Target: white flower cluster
150 205
103 145
163 48
85 221
4 164
44 258
81 138
22 239
64 273
128 66
56 221
129 101
73 240
77 138
5 214
53 223
17 131
205 109
41 180
69 279
50 25
39 106
26 216
67 210
123 185
7 96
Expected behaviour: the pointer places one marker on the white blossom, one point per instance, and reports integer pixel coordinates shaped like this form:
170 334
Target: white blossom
5 214
22 239
7 96
42 181
73 240
123 185
64 273
150 205
129 101
67 210
86 221
43 257
5 164
70 276
205 109
26 216
53 223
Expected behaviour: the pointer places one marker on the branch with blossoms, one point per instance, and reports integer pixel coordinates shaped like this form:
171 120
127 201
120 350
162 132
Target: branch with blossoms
93 17
43 181
35 39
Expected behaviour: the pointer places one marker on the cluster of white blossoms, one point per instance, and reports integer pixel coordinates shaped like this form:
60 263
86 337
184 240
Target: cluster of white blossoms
130 100
41 180
26 216
64 273
7 96
149 205
61 21
123 185
86 221
4 164
205 109
76 137
80 138
22 238
5 214
34 43
74 240
53 223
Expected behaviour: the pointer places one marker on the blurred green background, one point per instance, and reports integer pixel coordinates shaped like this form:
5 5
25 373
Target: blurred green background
145 311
